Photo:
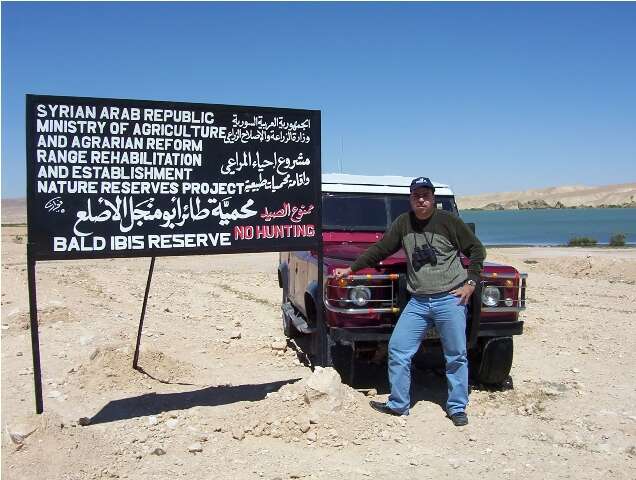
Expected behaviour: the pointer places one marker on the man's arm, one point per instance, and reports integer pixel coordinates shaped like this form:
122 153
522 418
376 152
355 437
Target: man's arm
469 245
383 248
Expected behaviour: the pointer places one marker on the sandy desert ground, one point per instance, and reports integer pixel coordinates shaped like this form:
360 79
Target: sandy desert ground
223 396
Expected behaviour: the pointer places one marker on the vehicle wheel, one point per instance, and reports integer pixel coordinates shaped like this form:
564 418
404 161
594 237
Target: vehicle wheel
492 361
288 327
320 344
344 363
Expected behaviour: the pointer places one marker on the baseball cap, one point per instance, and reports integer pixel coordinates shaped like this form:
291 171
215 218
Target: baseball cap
422 182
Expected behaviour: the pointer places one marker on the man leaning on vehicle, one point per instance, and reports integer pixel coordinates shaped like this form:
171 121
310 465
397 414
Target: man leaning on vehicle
440 289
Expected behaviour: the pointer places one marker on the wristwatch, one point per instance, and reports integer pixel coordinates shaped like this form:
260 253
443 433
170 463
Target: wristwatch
472 283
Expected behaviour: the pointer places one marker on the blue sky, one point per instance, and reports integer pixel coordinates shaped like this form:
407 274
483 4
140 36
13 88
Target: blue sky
485 97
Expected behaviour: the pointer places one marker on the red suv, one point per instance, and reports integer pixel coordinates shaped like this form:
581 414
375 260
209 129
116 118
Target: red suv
360 311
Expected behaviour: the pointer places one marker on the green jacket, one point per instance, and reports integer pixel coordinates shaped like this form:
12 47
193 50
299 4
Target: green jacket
447 234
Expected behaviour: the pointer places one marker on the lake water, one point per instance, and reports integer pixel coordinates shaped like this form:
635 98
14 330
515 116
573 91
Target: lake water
552 227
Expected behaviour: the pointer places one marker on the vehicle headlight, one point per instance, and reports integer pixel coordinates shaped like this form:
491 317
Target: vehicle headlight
490 296
360 296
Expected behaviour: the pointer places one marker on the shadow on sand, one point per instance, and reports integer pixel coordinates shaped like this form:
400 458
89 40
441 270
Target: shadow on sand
427 384
155 403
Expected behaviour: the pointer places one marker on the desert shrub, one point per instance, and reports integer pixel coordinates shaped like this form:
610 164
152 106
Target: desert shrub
617 240
581 242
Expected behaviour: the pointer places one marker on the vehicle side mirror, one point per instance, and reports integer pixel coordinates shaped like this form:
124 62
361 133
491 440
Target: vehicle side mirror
471 225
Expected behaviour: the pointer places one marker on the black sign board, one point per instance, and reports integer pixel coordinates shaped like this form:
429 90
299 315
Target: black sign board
130 178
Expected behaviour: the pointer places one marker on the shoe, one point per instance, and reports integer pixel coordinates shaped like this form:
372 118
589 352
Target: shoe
459 419
382 408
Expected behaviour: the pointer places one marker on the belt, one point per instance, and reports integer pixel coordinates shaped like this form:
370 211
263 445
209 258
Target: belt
439 294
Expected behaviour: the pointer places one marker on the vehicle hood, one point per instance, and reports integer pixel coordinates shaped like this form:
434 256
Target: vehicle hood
348 252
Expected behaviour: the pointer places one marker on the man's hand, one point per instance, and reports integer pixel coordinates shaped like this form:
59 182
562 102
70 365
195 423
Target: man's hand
463 293
342 272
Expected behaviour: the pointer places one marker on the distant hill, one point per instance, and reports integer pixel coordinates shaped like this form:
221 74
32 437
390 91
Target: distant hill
569 196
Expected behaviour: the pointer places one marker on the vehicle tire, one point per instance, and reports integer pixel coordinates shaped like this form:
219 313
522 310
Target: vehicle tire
320 342
288 327
492 361
344 362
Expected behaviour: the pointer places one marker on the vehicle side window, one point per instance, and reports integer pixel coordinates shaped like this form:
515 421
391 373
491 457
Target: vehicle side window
446 203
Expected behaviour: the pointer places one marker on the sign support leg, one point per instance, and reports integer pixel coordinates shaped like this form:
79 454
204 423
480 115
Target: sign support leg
325 355
35 336
143 313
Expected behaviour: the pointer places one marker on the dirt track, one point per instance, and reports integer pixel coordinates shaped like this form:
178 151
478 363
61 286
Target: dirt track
571 413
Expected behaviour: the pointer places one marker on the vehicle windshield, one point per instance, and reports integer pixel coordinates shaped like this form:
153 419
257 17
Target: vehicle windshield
369 212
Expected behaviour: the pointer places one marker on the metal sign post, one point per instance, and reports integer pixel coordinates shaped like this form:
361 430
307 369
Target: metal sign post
143 313
325 346
325 355
35 337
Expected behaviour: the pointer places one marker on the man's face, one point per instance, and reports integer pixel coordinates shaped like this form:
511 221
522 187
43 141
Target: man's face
422 202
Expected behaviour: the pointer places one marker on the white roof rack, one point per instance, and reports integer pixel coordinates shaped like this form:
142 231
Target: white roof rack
343 182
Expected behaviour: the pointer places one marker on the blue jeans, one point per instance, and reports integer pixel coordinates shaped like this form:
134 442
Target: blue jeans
442 311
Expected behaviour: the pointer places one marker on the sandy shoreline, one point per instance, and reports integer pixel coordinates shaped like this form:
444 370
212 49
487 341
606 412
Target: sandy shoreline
211 347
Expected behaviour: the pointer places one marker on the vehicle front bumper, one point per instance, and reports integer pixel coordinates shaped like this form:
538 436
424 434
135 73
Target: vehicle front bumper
382 334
